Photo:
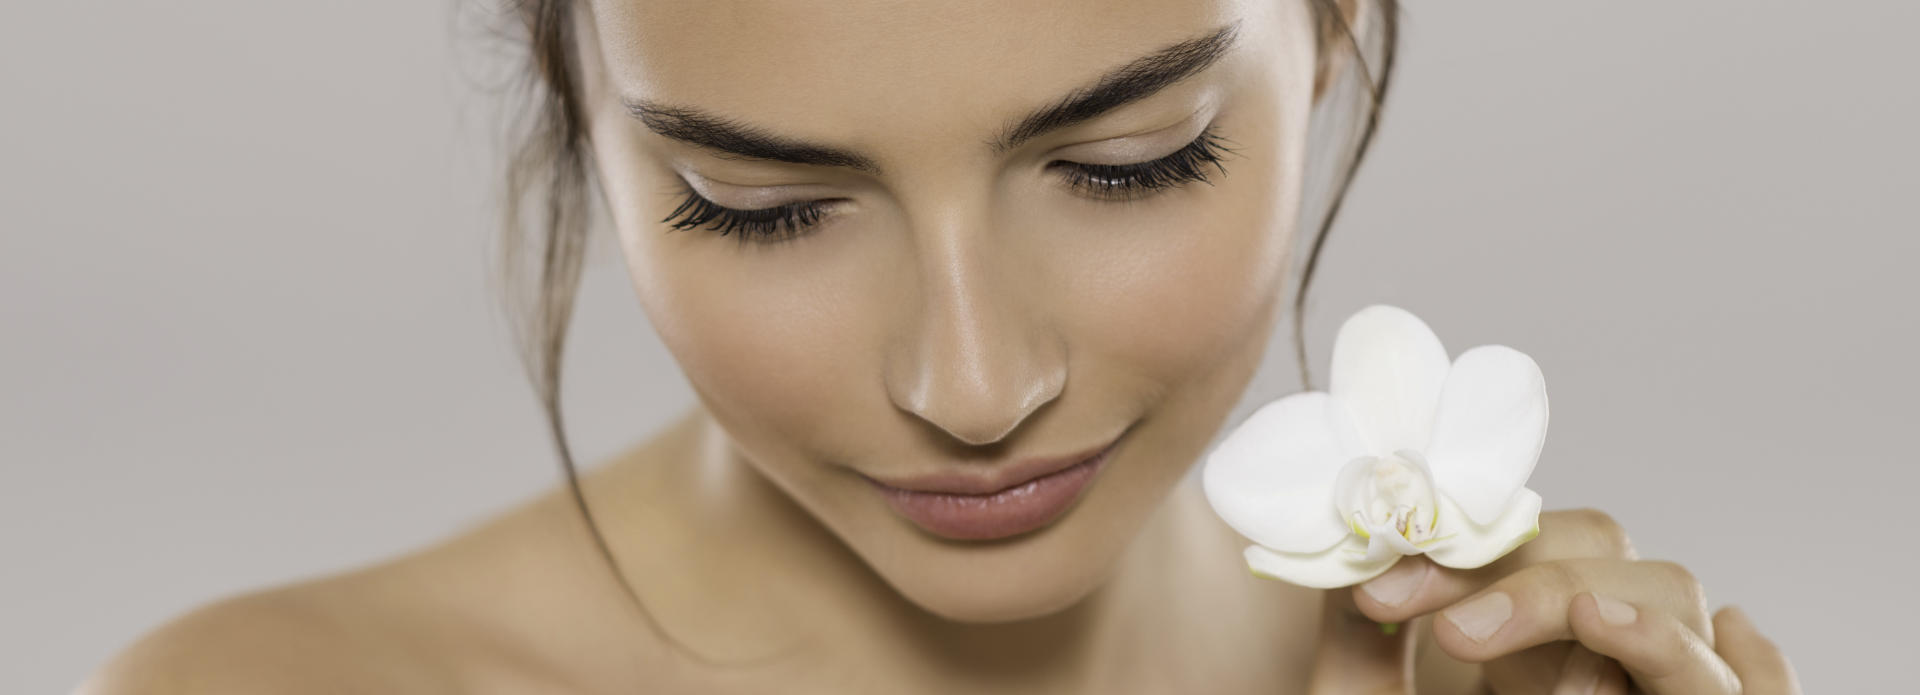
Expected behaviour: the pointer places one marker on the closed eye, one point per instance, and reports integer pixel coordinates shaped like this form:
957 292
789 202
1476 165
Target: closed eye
1115 182
1102 182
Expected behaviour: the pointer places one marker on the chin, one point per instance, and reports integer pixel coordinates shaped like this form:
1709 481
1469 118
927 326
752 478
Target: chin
985 590
1020 578
1023 577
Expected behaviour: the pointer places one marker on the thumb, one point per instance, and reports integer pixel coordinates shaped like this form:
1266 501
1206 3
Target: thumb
1356 656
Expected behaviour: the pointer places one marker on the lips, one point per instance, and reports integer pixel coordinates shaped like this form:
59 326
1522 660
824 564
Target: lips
984 506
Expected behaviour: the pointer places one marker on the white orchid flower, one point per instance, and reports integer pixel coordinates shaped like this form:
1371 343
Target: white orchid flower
1402 454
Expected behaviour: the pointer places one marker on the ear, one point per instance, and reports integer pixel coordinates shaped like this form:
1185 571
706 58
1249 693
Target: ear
1337 49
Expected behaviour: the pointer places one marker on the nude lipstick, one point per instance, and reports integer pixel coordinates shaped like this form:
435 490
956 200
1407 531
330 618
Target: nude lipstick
1020 498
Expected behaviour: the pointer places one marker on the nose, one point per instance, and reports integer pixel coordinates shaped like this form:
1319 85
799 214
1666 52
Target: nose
979 357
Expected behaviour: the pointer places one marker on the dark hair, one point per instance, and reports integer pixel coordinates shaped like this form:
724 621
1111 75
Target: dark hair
548 194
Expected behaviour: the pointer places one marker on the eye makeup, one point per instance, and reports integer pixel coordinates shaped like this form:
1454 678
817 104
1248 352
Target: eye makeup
763 225
1118 182
1100 182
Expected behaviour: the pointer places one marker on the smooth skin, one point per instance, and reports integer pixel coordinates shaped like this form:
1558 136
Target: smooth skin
959 307
1573 611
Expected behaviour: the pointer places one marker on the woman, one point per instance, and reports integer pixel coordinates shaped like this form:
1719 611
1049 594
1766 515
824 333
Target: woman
997 274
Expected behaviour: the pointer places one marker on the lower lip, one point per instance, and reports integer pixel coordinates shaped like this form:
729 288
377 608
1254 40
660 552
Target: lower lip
1010 512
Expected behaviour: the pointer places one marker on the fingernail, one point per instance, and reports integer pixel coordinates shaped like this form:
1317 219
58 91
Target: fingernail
1613 611
1398 584
1479 618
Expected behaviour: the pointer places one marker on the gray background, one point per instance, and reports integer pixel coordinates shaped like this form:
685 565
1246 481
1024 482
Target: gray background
246 336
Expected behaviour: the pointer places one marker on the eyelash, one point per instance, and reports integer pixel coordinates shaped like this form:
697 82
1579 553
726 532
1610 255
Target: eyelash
1103 182
1122 182
763 225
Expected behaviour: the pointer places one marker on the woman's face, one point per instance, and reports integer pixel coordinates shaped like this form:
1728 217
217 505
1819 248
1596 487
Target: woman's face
985 266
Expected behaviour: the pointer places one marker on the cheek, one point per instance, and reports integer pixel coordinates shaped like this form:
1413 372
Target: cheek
771 344
775 354
1189 288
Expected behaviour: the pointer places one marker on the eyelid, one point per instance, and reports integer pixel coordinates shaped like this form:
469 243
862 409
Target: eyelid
1124 151
1140 147
748 196
1124 183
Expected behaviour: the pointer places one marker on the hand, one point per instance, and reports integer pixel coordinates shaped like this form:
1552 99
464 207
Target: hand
1547 619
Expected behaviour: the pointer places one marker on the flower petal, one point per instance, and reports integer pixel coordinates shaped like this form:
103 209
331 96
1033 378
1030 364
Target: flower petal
1338 566
1349 487
1383 541
1271 478
1388 368
1488 430
1468 545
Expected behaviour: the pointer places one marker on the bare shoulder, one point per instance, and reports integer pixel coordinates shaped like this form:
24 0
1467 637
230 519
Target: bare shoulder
285 640
523 601
518 603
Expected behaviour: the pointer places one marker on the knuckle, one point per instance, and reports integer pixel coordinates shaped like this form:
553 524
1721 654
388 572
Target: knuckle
1590 532
1687 597
1673 573
1560 575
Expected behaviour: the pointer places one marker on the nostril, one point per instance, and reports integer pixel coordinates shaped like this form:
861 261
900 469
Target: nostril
988 418
980 400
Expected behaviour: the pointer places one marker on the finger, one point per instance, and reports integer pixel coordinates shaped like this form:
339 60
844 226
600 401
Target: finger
1759 663
1613 679
1531 607
1417 586
1580 673
1587 672
1529 670
1662 654
1356 656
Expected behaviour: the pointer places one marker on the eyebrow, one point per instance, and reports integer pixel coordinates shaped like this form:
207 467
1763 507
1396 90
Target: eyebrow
1134 81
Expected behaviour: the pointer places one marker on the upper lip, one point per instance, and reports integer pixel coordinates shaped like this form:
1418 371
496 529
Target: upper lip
996 478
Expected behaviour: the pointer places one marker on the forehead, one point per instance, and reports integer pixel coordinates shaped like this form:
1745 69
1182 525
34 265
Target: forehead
817 66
